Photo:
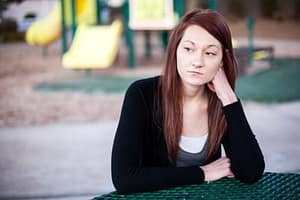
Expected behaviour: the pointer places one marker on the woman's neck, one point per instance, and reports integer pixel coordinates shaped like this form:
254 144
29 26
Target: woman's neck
191 94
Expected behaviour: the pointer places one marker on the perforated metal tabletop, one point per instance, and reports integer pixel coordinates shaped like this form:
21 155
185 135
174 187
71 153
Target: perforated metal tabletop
271 186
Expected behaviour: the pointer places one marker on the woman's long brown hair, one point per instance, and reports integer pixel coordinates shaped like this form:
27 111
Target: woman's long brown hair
170 88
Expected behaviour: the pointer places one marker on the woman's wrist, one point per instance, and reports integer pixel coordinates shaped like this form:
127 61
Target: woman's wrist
228 98
204 173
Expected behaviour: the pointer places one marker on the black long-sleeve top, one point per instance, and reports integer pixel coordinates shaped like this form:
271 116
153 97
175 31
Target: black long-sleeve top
140 161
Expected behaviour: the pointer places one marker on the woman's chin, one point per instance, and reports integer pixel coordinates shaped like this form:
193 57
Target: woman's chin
195 82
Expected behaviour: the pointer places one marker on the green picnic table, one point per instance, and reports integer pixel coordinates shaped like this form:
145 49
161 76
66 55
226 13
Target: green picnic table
270 186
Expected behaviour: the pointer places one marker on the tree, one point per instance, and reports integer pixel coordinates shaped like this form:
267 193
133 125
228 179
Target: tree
4 5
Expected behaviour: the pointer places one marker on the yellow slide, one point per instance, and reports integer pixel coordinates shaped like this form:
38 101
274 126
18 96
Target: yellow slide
47 30
93 46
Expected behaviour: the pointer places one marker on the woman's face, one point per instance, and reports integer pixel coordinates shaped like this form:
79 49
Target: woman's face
199 56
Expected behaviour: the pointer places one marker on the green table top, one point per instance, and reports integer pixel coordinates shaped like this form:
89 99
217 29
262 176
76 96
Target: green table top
271 186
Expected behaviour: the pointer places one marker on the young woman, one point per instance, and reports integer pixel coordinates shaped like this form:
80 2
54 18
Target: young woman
172 126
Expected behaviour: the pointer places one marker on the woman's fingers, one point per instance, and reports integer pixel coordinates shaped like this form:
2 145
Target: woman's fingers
230 176
217 169
220 161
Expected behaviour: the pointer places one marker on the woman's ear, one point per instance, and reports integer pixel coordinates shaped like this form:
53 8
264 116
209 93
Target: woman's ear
211 86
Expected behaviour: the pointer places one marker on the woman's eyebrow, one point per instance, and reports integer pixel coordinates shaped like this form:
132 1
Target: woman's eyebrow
212 45
207 46
189 41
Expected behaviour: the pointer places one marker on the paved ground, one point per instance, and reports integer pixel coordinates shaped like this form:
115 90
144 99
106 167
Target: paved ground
72 161
62 160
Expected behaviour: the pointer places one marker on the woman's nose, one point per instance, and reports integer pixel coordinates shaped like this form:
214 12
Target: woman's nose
198 61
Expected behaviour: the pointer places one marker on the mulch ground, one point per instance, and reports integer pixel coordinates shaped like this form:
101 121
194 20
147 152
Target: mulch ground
23 66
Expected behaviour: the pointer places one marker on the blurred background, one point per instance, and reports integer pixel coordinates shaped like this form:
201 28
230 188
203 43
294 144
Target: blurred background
65 66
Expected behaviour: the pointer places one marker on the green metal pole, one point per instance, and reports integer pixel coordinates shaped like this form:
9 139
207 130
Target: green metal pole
250 38
73 17
178 7
212 4
98 10
129 36
147 37
63 28
164 39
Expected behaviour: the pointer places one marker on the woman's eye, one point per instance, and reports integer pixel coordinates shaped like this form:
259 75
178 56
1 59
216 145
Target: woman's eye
188 49
210 54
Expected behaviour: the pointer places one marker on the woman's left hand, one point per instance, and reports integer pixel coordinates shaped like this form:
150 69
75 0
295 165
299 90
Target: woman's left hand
222 88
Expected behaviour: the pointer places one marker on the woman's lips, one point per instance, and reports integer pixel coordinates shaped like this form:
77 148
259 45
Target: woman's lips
195 73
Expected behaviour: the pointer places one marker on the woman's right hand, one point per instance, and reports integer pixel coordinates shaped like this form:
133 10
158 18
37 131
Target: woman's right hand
218 169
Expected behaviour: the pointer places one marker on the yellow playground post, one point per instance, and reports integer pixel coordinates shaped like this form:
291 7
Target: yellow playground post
48 30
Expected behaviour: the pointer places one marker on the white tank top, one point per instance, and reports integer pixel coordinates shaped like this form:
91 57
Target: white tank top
192 144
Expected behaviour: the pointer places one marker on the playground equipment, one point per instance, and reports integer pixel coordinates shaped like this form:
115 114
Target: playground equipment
96 46
152 15
146 16
45 31
247 54
93 46
48 30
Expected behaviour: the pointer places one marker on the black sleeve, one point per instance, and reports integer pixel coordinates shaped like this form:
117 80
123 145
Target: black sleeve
247 161
129 174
